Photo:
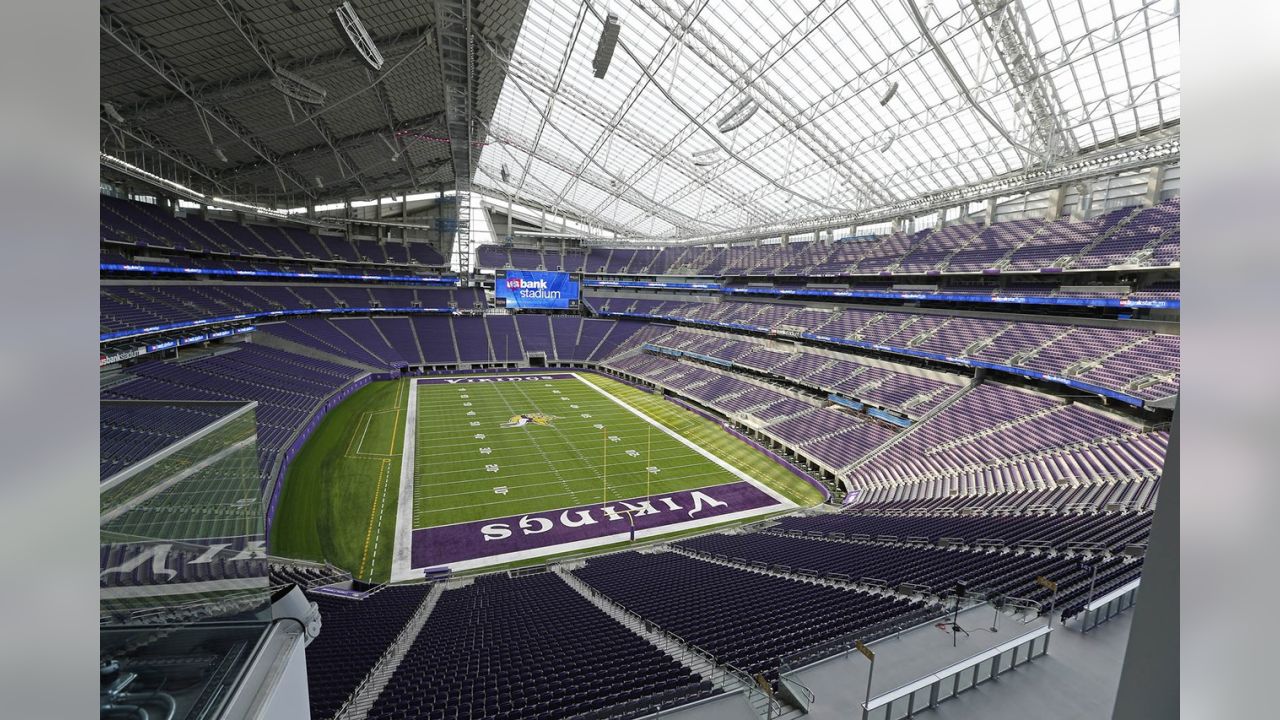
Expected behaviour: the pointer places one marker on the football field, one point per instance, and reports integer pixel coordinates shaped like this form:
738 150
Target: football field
510 468
494 449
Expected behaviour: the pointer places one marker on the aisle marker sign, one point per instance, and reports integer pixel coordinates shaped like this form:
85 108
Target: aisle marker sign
864 650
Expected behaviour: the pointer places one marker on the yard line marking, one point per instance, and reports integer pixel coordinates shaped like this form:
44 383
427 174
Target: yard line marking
372 508
363 418
670 477
554 467
396 423
368 420
464 461
382 507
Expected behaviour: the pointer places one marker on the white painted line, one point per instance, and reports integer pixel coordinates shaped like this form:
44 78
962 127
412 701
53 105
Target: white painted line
691 445
401 556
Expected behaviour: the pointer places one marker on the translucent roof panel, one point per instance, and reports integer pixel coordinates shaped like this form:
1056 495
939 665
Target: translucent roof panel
715 117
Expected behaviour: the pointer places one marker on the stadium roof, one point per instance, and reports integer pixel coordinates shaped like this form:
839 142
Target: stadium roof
197 81
715 119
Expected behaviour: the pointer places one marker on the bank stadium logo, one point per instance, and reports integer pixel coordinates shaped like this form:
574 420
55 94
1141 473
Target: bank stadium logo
529 289
532 419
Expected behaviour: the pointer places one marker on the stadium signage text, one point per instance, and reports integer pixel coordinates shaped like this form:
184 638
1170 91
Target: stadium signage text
157 558
493 379
597 522
532 288
535 524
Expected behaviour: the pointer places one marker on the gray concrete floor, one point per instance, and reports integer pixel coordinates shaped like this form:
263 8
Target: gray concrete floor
1077 680
840 683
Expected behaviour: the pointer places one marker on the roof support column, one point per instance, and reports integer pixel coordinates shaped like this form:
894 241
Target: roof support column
1155 183
453 28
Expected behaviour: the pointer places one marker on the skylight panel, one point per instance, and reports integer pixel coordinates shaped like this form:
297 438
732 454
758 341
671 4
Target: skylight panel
927 138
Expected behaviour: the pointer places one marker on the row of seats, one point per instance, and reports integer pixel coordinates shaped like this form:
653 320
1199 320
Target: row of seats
126 225
747 620
531 649
1145 237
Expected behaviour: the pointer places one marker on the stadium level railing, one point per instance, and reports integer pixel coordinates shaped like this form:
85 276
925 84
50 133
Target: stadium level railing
1108 606
949 682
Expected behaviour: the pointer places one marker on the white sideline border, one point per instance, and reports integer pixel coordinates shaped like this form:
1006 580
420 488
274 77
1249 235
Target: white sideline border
401 561
401 553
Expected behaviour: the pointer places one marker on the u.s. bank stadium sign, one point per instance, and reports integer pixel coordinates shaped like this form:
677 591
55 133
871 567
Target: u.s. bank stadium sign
447 544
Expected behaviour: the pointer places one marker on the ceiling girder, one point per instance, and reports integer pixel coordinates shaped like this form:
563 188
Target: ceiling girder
1155 149
712 135
453 40
242 22
614 122
158 144
525 72
552 93
419 123
1041 111
260 80
751 80
457 61
131 41
932 116
604 182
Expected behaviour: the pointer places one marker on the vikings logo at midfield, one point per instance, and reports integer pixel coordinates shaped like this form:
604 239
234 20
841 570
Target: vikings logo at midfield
534 418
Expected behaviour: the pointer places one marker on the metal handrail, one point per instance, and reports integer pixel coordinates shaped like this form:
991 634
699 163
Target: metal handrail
956 668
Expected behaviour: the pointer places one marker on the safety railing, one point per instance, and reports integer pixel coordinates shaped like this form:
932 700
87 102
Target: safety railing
949 682
1108 606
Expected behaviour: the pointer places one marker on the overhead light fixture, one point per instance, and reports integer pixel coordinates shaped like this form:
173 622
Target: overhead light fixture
356 35
888 143
604 48
110 110
318 182
707 157
217 152
889 93
739 114
504 172
298 88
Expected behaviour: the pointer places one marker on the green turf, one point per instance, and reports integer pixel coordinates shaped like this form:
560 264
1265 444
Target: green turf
565 465
339 500
714 438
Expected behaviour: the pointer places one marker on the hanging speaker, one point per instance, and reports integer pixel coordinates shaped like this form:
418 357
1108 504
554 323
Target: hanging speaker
604 48
889 93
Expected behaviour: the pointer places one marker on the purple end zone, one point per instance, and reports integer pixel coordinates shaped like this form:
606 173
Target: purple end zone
533 531
525 377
